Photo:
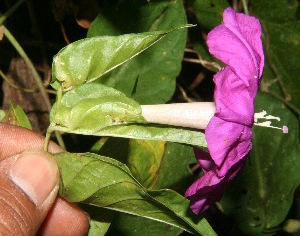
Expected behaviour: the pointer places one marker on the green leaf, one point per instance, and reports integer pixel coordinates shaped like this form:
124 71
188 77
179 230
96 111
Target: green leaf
88 59
98 228
125 224
114 147
2 114
150 77
262 194
180 206
208 12
152 163
151 132
15 116
134 225
91 107
103 182
100 219
94 109
176 159
144 160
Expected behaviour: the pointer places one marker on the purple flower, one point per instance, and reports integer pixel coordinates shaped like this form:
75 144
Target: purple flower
237 43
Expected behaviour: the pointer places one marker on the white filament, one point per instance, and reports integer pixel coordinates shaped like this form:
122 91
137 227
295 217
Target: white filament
267 123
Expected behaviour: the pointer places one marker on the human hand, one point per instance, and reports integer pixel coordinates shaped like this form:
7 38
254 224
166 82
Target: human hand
29 180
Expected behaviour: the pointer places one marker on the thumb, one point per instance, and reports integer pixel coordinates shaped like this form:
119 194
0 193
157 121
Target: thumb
28 188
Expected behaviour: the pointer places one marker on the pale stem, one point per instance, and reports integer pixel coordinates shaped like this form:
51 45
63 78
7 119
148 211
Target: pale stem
245 6
192 115
36 76
10 11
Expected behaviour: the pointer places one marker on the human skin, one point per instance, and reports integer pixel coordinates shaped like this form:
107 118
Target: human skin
29 180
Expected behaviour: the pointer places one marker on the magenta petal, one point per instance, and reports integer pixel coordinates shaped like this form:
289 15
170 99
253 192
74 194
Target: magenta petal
227 142
205 191
251 31
204 160
210 188
234 100
232 43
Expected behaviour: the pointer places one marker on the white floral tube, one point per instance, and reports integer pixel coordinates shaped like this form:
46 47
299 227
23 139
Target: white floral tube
192 115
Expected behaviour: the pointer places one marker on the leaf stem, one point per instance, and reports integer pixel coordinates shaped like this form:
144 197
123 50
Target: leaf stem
192 115
58 137
47 138
60 140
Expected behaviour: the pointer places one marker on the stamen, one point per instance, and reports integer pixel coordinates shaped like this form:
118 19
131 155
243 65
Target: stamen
267 123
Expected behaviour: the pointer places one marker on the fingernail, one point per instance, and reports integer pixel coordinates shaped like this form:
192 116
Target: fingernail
36 173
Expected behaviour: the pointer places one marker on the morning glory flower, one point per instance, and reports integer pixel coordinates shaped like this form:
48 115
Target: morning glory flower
237 43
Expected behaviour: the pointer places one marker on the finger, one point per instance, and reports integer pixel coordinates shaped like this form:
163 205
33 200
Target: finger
14 140
28 188
76 222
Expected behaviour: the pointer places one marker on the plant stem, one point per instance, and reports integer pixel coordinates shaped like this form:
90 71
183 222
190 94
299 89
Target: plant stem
10 11
245 6
36 76
58 137
60 140
15 86
192 115
47 138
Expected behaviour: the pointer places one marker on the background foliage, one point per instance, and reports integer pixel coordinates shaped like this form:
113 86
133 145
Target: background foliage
177 68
